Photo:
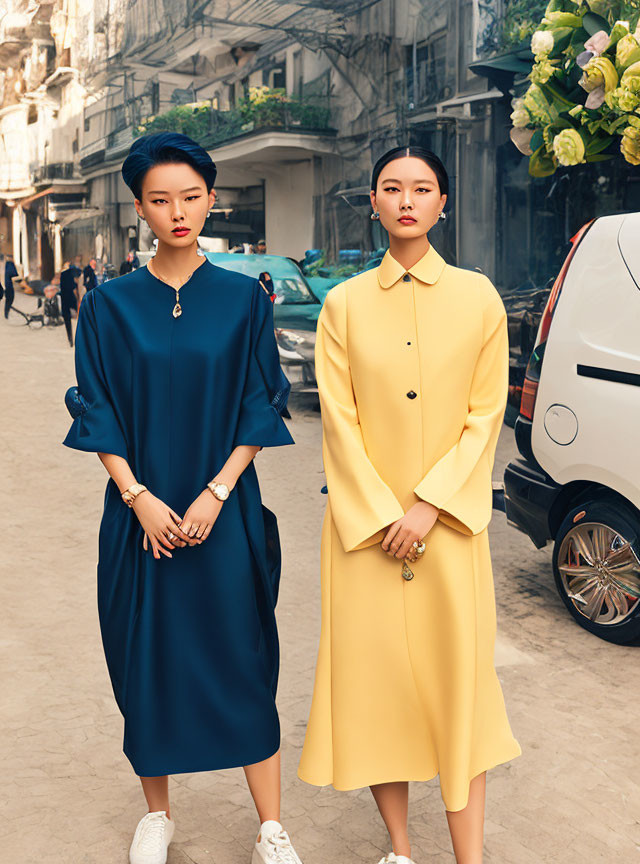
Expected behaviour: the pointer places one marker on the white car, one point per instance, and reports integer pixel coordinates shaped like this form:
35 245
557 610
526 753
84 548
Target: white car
578 481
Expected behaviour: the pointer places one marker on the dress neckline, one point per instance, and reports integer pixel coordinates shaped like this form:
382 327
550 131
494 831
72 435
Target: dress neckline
182 287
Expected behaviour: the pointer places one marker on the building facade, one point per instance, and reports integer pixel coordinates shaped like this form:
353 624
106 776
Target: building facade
294 103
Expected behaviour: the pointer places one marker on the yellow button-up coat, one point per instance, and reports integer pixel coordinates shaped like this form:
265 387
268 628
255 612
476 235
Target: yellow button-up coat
412 370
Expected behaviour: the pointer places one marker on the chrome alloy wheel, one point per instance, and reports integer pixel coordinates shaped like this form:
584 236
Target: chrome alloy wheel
600 573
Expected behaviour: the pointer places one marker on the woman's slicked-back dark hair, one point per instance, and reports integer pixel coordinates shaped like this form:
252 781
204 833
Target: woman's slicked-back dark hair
419 153
165 148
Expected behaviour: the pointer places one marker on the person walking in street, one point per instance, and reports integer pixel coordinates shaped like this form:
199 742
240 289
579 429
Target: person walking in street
90 278
179 387
80 289
129 263
412 370
70 280
10 273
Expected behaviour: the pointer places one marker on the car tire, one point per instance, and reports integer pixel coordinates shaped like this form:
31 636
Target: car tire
595 537
511 415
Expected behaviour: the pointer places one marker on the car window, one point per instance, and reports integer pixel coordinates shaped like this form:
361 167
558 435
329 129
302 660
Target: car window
291 290
289 285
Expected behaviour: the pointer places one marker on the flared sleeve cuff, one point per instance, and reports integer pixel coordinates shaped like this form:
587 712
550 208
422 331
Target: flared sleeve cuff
95 428
366 525
266 388
470 509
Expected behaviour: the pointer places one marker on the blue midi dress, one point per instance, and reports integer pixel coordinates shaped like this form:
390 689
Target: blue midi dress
190 642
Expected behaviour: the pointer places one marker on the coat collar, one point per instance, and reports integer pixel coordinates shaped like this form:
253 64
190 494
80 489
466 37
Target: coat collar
428 269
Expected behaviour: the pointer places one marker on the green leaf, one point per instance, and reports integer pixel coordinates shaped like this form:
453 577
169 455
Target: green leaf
541 164
578 38
553 94
537 141
599 158
597 145
592 23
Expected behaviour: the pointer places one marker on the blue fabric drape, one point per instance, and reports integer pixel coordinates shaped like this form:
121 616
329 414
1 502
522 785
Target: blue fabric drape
190 642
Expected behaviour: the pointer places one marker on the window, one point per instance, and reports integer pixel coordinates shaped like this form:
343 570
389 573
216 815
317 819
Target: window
425 71
119 119
87 123
297 73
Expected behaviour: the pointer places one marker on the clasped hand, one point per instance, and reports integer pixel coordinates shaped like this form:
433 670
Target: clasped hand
164 530
412 528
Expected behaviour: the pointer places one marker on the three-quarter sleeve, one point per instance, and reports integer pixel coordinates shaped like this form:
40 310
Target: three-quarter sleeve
459 483
266 388
361 503
96 427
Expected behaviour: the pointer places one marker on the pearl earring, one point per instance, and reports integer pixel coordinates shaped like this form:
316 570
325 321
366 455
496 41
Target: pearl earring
375 217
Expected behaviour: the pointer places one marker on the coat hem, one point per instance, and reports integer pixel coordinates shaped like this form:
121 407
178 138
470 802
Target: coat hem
413 778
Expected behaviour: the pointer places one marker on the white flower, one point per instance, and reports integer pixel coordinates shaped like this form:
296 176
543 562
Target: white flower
542 42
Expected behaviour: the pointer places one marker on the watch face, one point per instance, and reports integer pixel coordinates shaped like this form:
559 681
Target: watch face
222 492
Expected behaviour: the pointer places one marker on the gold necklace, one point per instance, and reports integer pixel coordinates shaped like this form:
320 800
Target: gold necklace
177 309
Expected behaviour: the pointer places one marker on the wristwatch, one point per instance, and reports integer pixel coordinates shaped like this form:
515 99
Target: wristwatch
129 495
218 490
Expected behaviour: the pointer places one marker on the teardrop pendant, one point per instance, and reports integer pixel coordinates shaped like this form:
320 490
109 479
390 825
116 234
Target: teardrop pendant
177 310
407 572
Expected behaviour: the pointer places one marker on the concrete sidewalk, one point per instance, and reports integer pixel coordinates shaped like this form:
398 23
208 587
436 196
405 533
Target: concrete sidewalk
69 795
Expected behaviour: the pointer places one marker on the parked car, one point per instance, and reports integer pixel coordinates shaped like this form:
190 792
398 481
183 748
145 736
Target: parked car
525 305
296 308
577 482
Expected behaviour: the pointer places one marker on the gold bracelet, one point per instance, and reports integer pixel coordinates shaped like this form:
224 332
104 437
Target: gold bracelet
129 495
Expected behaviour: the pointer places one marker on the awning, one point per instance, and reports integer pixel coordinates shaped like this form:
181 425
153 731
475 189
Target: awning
15 196
503 69
70 216
26 196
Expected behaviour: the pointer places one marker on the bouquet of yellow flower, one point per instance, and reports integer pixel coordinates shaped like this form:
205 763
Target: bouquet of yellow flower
584 97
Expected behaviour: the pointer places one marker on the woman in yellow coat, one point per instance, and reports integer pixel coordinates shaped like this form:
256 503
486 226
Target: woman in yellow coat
412 368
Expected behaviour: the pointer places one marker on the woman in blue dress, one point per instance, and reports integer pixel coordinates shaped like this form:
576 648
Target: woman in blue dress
179 386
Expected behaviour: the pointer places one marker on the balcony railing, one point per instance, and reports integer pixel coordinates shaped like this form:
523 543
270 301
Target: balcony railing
211 127
54 171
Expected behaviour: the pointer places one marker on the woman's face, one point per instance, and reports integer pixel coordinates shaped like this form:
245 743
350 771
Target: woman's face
408 198
174 202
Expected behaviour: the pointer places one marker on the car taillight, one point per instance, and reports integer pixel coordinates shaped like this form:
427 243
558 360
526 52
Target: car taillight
534 366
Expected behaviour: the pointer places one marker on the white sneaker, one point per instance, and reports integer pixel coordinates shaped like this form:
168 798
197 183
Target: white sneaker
392 858
274 846
152 838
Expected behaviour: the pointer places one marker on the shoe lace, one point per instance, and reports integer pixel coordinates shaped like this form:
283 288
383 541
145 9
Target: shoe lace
151 833
282 851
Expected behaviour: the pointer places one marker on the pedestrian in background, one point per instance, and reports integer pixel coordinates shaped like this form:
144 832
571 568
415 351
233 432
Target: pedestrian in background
180 386
10 273
412 370
129 263
70 280
90 278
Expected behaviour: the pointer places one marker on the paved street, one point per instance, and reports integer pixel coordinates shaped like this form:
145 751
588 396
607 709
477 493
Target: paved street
69 795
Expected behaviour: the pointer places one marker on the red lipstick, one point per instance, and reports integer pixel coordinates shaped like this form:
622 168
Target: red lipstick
181 232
